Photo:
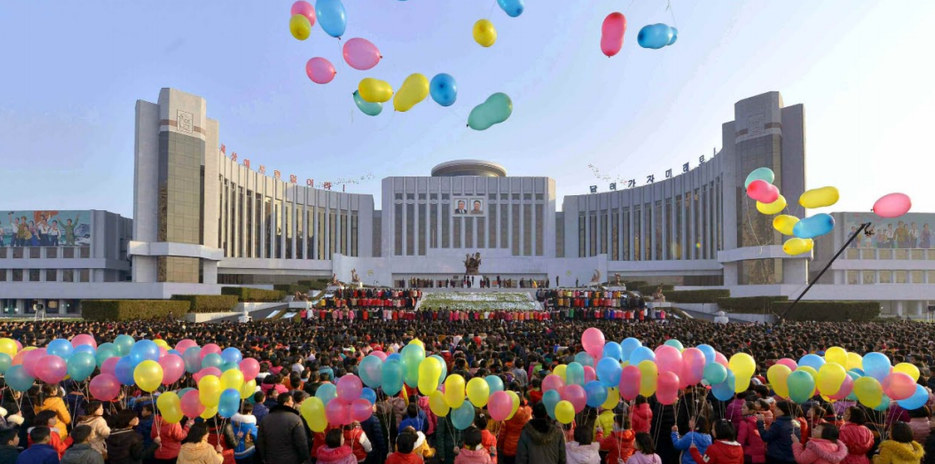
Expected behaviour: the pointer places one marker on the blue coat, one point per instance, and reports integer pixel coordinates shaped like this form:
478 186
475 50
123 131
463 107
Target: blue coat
701 440
260 411
246 425
420 422
374 432
38 454
778 438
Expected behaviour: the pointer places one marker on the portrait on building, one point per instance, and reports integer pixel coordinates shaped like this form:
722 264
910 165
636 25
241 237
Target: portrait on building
45 228
468 206
913 230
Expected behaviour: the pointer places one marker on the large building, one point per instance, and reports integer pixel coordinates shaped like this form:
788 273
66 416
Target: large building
203 219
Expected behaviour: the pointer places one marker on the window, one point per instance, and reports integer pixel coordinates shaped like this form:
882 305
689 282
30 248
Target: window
18 253
504 225
540 220
592 233
433 196
398 230
582 237
527 196
445 196
51 275
625 256
527 230
2 252
17 275
469 232
886 277
423 226
457 232
868 277
516 223
852 277
492 235
85 252
34 252
68 275
354 234
433 225
34 275
540 197
422 196
3 275
410 229
52 252
85 274
446 224
410 196
481 231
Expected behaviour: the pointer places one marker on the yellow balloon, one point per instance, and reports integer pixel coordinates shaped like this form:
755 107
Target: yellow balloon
649 373
819 198
836 354
415 341
564 412
868 391
613 398
454 391
830 377
209 412
248 389
796 246
772 208
777 375
162 343
515 398
231 378
148 375
908 369
414 89
170 407
172 416
478 392
209 391
854 361
741 384
784 223
300 27
560 371
437 404
8 347
484 33
375 91
313 410
742 365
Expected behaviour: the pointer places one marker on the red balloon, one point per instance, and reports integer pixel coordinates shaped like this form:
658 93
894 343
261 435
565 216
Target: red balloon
338 412
615 24
109 365
191 404
51 369
693 362
500 405
667 388
575 395
250 368
899 386
893 205
553 382
762 191
84 339
361 54
208 349
361 410
207 371
630 382
589 374
172 368
31 361
105 387
305 9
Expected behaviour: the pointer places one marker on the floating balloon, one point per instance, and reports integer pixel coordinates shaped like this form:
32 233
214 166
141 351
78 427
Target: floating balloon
796 246
785 223
725 390
743 365
5 362
454 391
574 375
814 226
576 395
8 347
392 377
370 109
191 404
596 393
550 399
714 374
414 89
854 361
124 343
656 36
615 24
778 375
762 191
326 393
649 374
764 174
478 392
909 369
830 378
443 89
892 205
250 368
331 16
338 413
584 359
60 347
320 70
667 389
500 405
104 387
209 391
641 354
303 8
693 365
313 410
627 346
375 90
512 8
124 370
847 387
438 404
868 391
228 403
361 54
593 342
918 399
51 369
772 208
877 365
613 350
709 353
801 385
144 350
553 382
300 27
233 379
496 109
484 33
170 407
819 198
899 386
80 366
564 412
463 417
494 383
608 372
668 359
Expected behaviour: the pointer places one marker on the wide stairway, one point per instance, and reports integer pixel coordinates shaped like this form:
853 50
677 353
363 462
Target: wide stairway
479 299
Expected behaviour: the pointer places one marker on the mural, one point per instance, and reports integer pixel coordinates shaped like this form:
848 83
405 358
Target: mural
45 228
913 230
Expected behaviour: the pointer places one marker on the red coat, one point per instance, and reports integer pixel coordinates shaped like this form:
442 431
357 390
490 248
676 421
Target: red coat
641 418
619 445
400 458
511 430
172 436
352 439
489 442
749 437
859 441
720 452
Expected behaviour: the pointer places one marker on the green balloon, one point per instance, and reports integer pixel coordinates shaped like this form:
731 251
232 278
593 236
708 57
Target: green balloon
760 174
496 109
801 386
5 362
228 366
124 343
368 108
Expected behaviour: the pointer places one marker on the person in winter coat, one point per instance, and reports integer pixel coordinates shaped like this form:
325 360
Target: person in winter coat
473 451
583 449
124 444
734 412
698 437
900 448
779 437
48 419
281 437
919 421
404 451
244 425
605 420
40 452
145 428
99 429
171 436
642 416
487 439
80 451
220 434
510 433
375 434
823 448
9 444
53 402
196 449
335 451
259 409
724 449
748 435
857 437
645 451
541 441
415 418
619 443
357 440
929 449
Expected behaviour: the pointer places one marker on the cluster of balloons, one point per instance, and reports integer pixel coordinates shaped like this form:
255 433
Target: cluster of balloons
892 205
656 36
769 201
496 109
329 13
615 25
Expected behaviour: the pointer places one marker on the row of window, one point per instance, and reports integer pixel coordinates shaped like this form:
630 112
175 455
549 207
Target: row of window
916 254
45 252
890 277
491 197
51 275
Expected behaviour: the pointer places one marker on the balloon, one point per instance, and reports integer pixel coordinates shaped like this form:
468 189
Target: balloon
584 359
8 347
854 361
454 391
378 354
361 410
484 33
31 360
847 387
496 109
778 375
124 343
596 393
209 391
785 223
229 366
51 369
762 192
303 8
627 346
899 386
500 405
574 374
478 392
361 54
743 365
608 371
615 24
725 390
170 406
512 8
326 393
338 412
613 398
819 198
80 366
630 381
791 364
232 355
17 379
668 359
463 417
209 412
148 375
674 32
814 226
589 374
331 16
349 387
6 362
667 389
675 344
908 369
877 365
83 339
250 368
553 382
184 345
414 89
550 399
206 371
693 364
412 357
714 374
648 377
172 368
720 359
494 383
641 354
514 398
830 378
392 377
370 109
60 347
104 387
564 412
892 205
559 370
375 91
313 411
593 342
371 371
916 401
191 404
124 370
105 352
443 89
110 366
801 385
211 360
868 391
320 70
248 389
300 27
764 174
612 350
228 403
576 395
796 246
772 208
438 404
836 354
144 350
192 358
812 360
233 379
656 36
709 353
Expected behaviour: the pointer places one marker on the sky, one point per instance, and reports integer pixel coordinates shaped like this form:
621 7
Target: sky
71 73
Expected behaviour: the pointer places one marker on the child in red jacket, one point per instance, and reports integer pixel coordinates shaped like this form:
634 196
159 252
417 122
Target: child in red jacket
724 450
642 415
404 455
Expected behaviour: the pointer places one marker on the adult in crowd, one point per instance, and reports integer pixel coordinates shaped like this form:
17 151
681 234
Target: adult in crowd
281 436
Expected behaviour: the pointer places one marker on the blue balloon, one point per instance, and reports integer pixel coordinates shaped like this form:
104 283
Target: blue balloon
710 355
212 360
574 374
17 379
812 360
192 358
463 417
764 174
714 374
884 404
144 350
392 376
331 16
229 403
814 226
84 349
608 372
916 401
5 362
877 365
370 371
675 35
550 399
494 383
231 355
512 8
326 392
858 371
597 393
444 89
627 346
613 350
172 351
395 356
60 347
368 394
655 36
725 390
642 354
124 344
854 376
584 359
81 365
124 370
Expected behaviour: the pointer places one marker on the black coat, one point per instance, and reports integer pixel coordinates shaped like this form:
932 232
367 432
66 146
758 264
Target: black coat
126 447
281 437
374 432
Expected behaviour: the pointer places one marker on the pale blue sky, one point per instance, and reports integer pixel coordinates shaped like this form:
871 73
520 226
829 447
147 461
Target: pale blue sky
72 71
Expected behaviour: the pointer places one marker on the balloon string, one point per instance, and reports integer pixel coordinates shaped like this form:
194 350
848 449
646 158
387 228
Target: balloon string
492 7
392 117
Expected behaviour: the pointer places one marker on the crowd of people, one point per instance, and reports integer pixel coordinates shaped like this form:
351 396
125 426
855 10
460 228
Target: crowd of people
60 423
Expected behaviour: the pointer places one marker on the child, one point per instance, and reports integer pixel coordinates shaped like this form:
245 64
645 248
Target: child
487 439
99 428
244 425
335 451
421 446
698 437
80 450
642 415
765 408
583 449
414 419
823 448
473 451
900 448
754 450
357 438
645 451
146 424
9 444
404 447
619 443
724 450
40 452
535 391
49 419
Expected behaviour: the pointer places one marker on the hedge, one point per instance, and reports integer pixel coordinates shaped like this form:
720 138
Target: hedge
208 303
753 304
317 284
125 310
636 284
696 296
290 289
253 294
648 290
832 311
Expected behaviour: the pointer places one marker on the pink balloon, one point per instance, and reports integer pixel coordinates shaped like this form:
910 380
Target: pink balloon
593 342
361 410
667 388
51 369
31 361
83 339
893 205
668 359
184 345
762 191
109 366
206 371
615 24
210 348
337 412
191 404
105 387
361 54
846 388
589 374
163 352
630 382
172 368
19 346
574 394
500 405
790 363
720 359
379 354
693 362
305 9
349 387
898 386
553 382
250 368
320 70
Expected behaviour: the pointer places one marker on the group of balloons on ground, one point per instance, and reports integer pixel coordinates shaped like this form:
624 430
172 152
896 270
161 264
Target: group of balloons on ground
602 375
769 201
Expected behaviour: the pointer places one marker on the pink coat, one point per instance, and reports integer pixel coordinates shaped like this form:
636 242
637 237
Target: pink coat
921 427
640 458
469 456
819 451
859 441
749 437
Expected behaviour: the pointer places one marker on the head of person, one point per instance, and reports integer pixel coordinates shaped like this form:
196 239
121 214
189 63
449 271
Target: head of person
412 411
126 419
95 408
285 400
47 418
640 399
644 443
699 424
784 408
259 397
472 438
826 431
724 430
476 205
901 433
460 204
920 413
539 411
621 420
10 436
749 407
855 415
147 411
246 409
480 420
197 433
406 442
584 435
80 434
334 438
40 435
